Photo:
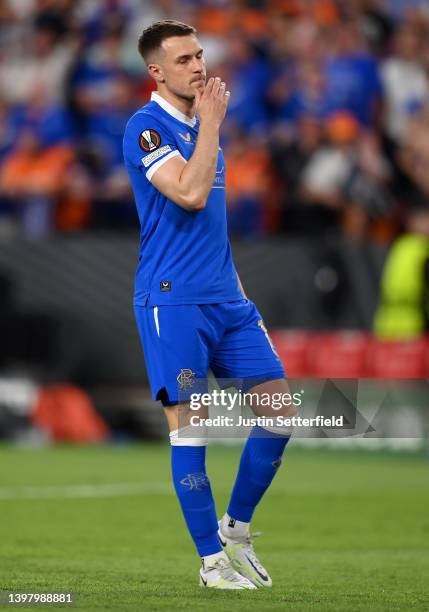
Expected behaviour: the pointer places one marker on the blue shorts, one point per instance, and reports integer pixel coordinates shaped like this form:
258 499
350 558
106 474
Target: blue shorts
182 343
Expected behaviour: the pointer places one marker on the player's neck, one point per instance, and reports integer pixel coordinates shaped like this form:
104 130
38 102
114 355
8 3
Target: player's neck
187 107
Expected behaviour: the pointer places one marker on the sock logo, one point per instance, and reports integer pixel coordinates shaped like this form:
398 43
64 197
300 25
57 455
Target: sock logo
276 463
195 482
231 523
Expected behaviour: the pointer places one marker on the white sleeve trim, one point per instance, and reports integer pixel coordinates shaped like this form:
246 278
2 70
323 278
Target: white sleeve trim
157 165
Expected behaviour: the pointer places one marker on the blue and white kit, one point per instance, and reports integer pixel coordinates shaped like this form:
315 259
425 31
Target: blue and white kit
190 311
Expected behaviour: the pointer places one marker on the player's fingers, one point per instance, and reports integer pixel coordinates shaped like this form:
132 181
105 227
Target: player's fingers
197 97
216 86
227 97
208 88
222 90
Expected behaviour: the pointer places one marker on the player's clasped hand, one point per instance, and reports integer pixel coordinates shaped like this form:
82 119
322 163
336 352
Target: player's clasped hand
212 103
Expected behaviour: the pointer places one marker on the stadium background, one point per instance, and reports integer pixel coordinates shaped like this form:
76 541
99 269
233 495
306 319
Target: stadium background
326 144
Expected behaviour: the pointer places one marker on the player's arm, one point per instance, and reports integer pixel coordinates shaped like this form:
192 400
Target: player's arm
188 184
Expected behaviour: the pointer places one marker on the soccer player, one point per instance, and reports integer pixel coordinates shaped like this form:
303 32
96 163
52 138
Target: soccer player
191 311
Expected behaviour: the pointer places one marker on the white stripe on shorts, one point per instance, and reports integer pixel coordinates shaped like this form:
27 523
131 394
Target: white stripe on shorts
155 316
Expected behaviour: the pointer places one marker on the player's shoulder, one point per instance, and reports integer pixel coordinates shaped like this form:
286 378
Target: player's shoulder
147 138
145 118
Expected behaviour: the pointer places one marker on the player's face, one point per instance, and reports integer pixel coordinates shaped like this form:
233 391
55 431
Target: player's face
183 66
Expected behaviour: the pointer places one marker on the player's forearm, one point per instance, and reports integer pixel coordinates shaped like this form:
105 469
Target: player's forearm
197 177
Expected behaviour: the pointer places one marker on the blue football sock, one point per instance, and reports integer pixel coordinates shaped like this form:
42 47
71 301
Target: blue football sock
260 459
195 496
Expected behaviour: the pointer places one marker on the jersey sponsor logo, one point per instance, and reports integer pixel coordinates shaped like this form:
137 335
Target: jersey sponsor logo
219 180
186 378
149 140
148 159
187 138
195 482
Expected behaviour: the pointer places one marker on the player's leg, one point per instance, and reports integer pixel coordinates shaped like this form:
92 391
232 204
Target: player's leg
191 483
263 450
260 459
171 339
192 486
261 456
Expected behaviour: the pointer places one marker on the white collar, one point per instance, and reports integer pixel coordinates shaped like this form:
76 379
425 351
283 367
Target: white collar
172 110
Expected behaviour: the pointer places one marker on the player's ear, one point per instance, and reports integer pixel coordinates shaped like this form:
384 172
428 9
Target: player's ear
156 72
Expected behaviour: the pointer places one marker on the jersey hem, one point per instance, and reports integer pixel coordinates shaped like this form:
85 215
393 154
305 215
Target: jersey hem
150 301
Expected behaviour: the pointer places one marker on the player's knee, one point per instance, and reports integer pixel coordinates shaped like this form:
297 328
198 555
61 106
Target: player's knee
273 398
182 416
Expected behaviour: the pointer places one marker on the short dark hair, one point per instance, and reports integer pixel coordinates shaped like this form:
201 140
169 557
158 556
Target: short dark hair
153 36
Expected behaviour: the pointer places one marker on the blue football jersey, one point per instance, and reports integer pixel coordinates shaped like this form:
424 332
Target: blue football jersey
185 256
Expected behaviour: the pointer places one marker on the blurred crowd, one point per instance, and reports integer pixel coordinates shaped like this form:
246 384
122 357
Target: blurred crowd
327 129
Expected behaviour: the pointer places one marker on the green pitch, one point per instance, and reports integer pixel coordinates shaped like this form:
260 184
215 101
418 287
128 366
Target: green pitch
341 530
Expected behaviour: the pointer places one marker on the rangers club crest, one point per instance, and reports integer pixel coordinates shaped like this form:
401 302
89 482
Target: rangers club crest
186 378
196 481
